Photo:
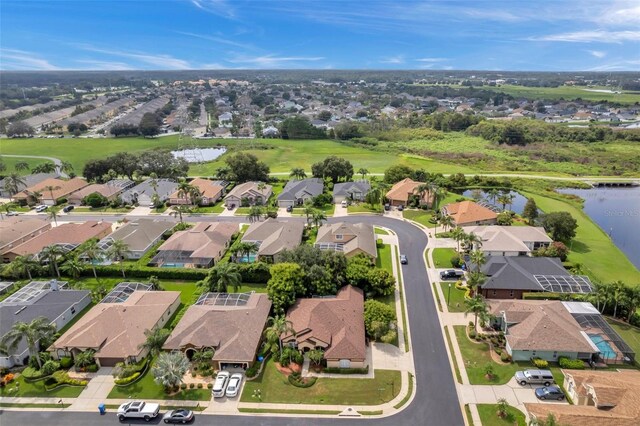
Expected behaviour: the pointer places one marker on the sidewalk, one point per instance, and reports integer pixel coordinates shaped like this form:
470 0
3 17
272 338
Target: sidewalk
96 391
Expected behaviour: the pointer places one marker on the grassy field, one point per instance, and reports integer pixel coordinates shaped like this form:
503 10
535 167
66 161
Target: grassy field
442 257
629 333
456 301
21 388
275 388
567 93
591 247
489 416
10 163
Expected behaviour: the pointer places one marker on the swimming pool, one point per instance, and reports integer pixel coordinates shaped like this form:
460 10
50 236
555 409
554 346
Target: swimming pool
606 351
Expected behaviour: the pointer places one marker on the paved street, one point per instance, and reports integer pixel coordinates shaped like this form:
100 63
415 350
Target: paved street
436 400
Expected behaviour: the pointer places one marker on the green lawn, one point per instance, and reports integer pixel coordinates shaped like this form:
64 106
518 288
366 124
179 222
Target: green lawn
567 92
146 388
591 247
327 209
364 208
248 287
456 301
489 416
420 216
380 231
442 257
629 333
217 208
10 164
187 289
37 390
384 258
275 388
87 209
242 211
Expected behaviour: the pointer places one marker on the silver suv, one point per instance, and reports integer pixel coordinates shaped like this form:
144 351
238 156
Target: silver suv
531 377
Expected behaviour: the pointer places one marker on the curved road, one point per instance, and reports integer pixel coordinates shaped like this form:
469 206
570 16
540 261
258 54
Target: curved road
435 402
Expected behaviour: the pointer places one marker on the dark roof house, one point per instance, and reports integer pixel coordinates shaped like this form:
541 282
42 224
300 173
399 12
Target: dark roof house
296 192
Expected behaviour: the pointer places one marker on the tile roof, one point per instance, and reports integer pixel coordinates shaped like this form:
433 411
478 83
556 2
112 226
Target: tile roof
208 188
240 191
617 394
204 240
29 180
19 227
235 332
403 189
541 325
508 238
274 236
337 321
105 189
354 236
115 330
468 212
64 188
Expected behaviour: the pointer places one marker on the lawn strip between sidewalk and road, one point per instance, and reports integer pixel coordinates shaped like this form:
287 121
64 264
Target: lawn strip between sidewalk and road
453 356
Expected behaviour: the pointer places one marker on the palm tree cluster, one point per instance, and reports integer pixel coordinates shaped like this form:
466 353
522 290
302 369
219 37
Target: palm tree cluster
188 192
623 299
469 240
39 329
279 326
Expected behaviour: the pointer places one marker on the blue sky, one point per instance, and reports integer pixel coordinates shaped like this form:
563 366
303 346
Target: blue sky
594 35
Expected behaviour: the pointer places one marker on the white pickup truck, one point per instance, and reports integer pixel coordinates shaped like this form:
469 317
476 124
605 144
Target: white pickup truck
138 410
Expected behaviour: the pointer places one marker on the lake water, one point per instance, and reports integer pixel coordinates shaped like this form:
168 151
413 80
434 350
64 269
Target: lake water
617 212
199 155
518 202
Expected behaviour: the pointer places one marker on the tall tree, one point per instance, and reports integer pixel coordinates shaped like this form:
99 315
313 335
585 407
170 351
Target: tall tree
530 211
169 369
92 251
155 338
278 326
32 332
117 252
476 306
52 254
333 167
561 225
24 265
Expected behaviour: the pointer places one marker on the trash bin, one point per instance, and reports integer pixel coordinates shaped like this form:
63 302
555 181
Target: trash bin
102 409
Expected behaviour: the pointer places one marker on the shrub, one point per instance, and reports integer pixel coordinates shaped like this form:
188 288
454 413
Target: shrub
31 373
209 385
574 364
192 385
92 368
470 324
334 370
199 385
472 334
497 350
127 380
455 261
193 373
66 362
50 367
296 380
183 386
253 370
505 357
540 363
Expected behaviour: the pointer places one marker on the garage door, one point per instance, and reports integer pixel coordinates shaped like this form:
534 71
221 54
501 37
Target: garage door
345 363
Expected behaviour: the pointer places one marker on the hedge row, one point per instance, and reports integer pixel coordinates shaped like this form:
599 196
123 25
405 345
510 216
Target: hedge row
296 380
334 370
573 364
127 380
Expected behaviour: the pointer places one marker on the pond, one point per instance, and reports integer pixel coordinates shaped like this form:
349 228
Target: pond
518 202
617 212
200 155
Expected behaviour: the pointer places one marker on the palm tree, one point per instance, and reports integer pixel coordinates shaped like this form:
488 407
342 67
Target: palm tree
438 195
476 306
478 259
223 173
178 211
92 251
245 249
38 329
186 190
503 406
458 235
618 292
51 188
424 189
36 195
297 173
51 254
633 300
228 275
21 165
446 221
66 167
85 358
24 264
363 172
308 210
47 167
318 217
255 213
373 197
73 266
169 369
504 200
53 214
474 281
280 325
472 239
117 251
492 194
13 183
154 340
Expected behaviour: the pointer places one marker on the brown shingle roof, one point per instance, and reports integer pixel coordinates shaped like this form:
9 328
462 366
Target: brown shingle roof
205 239
355 236
207 188
403 189
233 331
65 187
16 229
617 393
468 212
274 235
115 330
103 189
337 321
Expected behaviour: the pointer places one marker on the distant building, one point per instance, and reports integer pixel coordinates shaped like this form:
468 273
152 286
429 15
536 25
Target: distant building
51 190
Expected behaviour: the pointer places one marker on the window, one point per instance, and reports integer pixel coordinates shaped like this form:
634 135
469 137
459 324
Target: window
338 236
495 292
555 354
511 293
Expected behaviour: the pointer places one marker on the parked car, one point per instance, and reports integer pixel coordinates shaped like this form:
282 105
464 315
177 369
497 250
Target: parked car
138 410
179 415
220 385
400 208
550 392
532 377
12 213
67 209
344 203
387 207
235 382
41 208
403 259
289 209
450 274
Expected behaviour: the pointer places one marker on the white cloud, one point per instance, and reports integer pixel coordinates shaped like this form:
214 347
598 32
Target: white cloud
273 61
626 65
158 60
96 64
432 59
597 53
22 60
621 16
393 60
217 7
216 39
599 36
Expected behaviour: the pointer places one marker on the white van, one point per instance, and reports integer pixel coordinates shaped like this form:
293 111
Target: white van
344 203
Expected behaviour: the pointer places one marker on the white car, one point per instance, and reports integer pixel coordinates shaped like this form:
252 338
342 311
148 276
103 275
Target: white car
138 410
41 208
12 213
220 385
235 383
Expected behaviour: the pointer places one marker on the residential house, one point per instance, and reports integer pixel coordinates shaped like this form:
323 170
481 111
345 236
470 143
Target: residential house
509 277
348 238
296 192
509 240
248 193
541 329
38 299
59 189
19 229
467 213
225 120
273 236
198 247
355 191
229 324
109 190
401 192
602 398
29 180
139 236
144 193
210 193
333 324
115 329
68 236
